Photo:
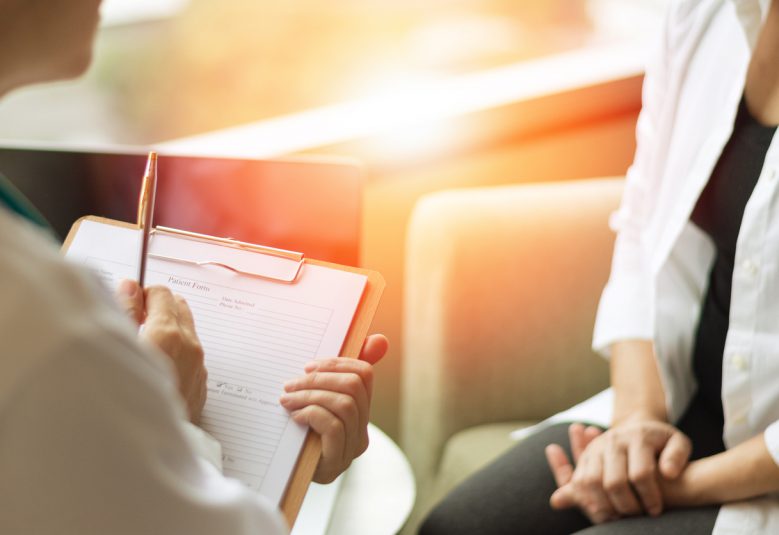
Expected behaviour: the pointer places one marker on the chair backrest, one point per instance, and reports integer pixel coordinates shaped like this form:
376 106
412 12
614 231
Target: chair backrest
501 289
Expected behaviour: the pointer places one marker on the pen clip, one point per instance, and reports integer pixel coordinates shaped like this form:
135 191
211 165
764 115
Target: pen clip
147 195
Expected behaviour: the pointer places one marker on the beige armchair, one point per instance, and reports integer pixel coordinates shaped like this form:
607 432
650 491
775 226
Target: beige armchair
502 285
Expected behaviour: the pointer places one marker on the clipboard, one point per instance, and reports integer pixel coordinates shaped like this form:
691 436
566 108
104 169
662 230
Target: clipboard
307 461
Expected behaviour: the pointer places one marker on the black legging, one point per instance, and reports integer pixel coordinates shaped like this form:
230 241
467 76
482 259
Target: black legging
511 495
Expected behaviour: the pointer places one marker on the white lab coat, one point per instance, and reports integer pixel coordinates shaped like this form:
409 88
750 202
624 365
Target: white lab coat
661 261
93 436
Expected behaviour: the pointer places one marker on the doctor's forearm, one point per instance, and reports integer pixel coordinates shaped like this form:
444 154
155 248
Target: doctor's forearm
743 472
638 391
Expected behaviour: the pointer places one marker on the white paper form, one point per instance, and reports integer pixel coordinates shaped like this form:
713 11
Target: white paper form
256 333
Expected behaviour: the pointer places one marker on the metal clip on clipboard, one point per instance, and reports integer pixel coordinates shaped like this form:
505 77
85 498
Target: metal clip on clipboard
293 256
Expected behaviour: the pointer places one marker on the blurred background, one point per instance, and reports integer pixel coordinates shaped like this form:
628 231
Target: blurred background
428 95
171 68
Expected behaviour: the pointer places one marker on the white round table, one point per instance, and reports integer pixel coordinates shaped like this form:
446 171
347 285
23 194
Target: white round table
373 497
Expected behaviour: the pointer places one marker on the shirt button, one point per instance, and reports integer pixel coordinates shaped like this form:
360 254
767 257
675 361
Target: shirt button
740 362
771 175
750 267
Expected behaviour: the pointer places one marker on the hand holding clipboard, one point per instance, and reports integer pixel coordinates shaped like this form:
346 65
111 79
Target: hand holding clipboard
250 276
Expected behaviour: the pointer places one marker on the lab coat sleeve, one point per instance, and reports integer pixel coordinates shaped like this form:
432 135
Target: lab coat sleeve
95 446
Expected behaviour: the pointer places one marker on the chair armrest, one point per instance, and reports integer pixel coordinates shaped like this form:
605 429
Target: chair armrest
502 285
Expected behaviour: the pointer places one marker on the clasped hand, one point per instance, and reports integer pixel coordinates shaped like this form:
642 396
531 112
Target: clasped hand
620 472
333 397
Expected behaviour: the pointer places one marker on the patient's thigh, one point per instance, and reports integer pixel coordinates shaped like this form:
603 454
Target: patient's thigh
509 496
696 521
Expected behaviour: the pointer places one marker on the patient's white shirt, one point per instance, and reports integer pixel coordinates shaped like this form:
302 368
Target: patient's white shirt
93 433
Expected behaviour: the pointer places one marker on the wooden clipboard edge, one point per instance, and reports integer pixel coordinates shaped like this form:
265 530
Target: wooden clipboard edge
77 225
303 473
308 459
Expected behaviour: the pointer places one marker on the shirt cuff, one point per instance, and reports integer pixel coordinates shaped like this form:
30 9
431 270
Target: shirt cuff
771 437
624 313
206 446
